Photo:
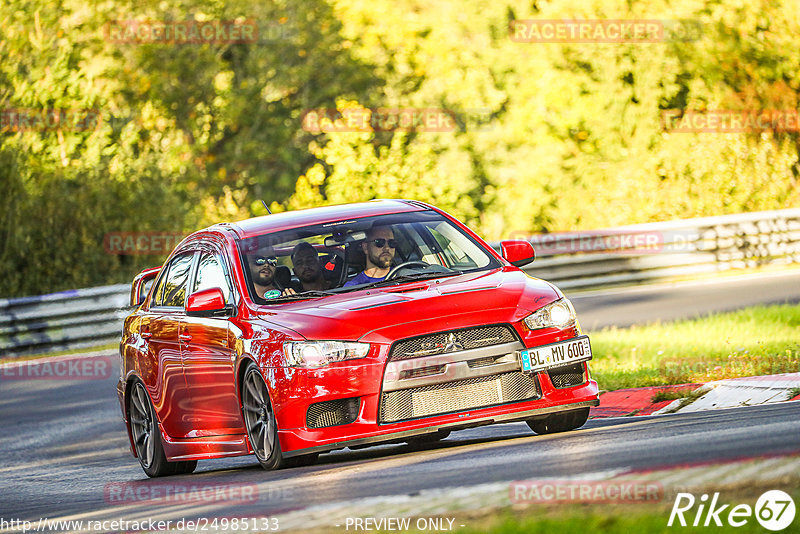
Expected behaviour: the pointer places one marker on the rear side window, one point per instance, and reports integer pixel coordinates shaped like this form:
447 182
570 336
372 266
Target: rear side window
172 288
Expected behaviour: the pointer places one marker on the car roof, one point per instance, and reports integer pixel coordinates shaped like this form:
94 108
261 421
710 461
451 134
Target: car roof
293 219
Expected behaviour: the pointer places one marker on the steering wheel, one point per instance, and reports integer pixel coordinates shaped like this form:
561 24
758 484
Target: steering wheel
403 265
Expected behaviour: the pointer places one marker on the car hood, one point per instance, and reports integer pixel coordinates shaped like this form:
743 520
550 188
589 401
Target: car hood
382 314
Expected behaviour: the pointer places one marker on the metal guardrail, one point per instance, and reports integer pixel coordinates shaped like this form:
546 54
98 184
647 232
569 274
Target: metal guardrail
60 321
664 250
625 255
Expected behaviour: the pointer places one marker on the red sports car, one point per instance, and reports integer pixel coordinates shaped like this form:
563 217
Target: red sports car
293 334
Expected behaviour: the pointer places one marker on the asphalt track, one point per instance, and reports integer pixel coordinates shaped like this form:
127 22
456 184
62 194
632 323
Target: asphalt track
679 300
64 449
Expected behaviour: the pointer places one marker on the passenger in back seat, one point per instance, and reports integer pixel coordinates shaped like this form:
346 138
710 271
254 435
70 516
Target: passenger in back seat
305 262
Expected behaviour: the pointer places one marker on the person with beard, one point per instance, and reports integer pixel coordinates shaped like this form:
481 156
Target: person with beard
379 248
262 267
305 261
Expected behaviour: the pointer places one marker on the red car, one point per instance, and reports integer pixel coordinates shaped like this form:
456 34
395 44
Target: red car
293 334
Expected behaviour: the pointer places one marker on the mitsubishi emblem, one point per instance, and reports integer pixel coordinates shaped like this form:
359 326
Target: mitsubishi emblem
453 343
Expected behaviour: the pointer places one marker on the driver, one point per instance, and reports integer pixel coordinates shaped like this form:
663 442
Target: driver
379 248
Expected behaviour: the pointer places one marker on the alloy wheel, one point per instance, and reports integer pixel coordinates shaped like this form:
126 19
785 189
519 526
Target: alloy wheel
143 425
258 415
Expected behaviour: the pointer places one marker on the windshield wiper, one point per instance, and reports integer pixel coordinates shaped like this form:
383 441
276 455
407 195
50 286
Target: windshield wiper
410 277
304 295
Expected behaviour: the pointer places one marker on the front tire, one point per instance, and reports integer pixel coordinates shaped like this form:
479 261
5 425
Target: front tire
559 422
431 437
259 419
147 437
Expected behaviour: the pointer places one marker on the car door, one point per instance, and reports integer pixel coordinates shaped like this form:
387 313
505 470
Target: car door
209 358
162 369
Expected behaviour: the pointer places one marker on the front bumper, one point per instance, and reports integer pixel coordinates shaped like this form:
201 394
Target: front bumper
487 416
463 396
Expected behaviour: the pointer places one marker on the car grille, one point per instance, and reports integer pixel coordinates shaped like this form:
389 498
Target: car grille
457 396
422 371
483 362
452 341
567 376
332 413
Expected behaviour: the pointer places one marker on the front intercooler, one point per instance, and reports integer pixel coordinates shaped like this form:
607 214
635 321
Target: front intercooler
457 396
453 371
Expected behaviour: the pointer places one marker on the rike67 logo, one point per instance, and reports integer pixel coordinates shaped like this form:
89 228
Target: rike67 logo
774 510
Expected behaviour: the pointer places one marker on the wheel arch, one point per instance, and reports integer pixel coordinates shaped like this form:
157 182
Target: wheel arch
244 363
129 381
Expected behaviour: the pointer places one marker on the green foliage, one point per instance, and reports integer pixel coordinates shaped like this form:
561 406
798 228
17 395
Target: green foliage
187 133
400 169
651 519
576 139
548 137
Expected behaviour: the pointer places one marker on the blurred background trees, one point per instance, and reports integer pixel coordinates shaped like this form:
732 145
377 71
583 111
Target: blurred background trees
547 137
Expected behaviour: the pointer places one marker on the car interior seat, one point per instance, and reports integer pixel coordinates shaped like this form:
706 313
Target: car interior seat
283 278
354 260
332 266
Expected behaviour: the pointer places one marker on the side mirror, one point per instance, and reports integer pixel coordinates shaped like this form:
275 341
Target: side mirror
206 302
518 253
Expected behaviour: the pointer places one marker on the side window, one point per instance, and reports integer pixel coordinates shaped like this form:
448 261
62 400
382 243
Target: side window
211 274
174 290
145 289
158 296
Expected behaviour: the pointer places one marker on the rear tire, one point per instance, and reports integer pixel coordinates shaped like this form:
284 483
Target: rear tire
559 422
188 467
147 437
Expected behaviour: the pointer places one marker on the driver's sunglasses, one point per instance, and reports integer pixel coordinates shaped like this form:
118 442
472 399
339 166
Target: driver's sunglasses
261 260
380 242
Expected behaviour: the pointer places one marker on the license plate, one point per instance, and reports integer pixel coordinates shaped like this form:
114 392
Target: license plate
555 355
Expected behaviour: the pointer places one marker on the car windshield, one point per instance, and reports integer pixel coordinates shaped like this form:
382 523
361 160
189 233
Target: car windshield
323 259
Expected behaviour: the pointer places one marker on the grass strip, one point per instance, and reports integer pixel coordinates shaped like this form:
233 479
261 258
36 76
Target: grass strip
608 518
761 340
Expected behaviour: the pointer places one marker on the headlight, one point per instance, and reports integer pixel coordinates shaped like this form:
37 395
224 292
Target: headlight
313 354
558 314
